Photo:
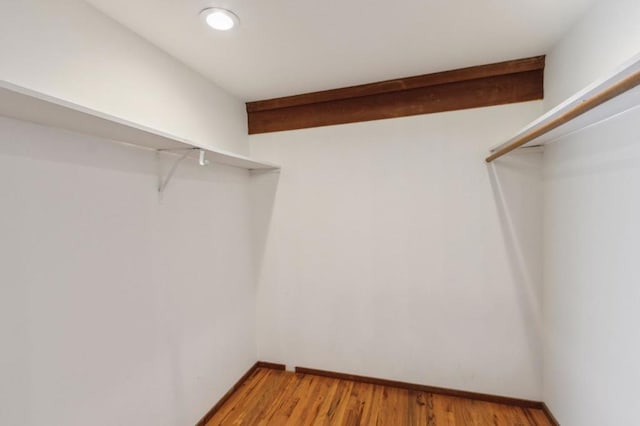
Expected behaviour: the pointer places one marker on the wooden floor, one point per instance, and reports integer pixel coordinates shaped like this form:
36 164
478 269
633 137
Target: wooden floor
272 397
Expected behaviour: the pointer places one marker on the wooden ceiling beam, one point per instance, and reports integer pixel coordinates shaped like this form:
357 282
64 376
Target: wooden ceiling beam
486 85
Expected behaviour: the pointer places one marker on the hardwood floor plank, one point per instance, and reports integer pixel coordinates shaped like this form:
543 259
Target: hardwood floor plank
248 399
265 399
367 402
323 418
271 397
286 402
417 408
358 401
537 417
339 403
239 398
443 411
323 390
310 399
286 388
393 410
370 416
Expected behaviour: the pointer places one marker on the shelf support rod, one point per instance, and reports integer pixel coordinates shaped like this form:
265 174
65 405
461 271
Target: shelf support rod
586 105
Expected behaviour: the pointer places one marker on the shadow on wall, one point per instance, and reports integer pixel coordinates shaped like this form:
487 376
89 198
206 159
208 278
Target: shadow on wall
516 182
264 186
610 146
22 139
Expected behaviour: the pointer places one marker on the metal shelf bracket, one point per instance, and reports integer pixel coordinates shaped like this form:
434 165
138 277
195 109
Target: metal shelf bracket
163 181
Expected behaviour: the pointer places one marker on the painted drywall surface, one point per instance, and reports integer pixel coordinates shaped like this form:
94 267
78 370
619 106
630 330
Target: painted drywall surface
591 292
394 251
117 308
70 50
606 37
591 234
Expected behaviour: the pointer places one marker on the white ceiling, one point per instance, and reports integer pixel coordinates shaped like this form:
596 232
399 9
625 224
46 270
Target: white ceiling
286 47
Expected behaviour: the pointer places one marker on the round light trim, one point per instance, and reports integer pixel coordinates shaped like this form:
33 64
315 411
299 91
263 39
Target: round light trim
220 19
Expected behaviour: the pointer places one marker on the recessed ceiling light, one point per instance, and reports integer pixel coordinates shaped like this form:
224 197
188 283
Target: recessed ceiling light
220 19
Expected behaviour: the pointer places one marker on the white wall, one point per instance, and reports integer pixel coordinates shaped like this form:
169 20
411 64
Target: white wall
604 38
592 206
116 308
68 49
394 251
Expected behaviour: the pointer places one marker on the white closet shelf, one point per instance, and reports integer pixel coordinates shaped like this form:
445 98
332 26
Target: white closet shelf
28 105
599 101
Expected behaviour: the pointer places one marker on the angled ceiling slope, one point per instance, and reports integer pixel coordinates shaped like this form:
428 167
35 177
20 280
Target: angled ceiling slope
286 47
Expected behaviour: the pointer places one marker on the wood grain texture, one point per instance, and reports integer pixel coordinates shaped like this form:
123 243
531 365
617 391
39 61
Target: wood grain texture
583 107
276 397
424 388
471 73
233 392
486 85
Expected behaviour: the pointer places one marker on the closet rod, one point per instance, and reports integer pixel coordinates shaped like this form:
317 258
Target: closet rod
586 105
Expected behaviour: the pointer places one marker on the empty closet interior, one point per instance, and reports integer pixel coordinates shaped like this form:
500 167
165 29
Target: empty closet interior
225 212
